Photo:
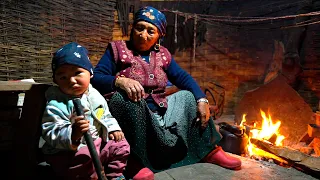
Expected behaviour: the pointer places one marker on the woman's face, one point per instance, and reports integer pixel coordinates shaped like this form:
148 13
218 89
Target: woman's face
145 35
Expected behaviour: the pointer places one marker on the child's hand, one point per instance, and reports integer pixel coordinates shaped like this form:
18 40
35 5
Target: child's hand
79 127
116 135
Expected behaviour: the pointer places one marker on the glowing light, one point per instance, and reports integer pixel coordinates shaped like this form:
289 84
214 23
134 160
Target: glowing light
268 129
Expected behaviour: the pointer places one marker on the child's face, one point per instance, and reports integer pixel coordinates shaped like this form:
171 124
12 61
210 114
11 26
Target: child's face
72 80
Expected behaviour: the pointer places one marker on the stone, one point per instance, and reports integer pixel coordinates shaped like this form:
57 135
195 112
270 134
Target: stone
251 169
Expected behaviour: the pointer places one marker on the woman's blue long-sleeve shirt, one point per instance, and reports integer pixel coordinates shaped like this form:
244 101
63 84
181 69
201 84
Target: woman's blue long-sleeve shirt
106 69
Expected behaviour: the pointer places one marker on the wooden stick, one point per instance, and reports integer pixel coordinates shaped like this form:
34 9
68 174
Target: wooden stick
295 156
93 152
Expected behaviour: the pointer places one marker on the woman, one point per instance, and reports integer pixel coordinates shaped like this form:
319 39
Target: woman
163 132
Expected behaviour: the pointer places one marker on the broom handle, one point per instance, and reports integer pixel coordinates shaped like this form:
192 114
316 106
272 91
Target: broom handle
90 144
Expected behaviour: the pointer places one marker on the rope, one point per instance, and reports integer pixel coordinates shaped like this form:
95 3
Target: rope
175 28
303 23
233 20
299 25
275 5
238 19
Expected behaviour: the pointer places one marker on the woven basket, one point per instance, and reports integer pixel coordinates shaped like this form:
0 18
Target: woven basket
30 31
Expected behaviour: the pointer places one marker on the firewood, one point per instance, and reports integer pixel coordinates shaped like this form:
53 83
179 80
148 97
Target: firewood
317 114
306 138
296 157
306 150
284 104
260 154
315 144
273 138
314 130
303 147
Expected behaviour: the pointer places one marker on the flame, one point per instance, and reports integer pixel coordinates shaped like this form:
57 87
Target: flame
267 130
243 120
259 152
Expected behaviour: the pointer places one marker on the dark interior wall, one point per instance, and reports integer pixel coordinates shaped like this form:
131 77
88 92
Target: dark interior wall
234 55
237 55
30 31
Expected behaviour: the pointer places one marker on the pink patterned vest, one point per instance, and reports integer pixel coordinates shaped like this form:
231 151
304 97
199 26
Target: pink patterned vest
150 75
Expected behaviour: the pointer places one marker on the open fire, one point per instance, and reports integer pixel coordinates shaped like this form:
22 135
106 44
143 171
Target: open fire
295 139
265 143
268 132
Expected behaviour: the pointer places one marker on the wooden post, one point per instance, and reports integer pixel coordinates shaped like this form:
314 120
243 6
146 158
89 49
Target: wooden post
194 39
27 132
175 28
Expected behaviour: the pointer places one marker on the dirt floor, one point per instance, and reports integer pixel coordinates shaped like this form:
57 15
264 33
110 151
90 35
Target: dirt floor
251 169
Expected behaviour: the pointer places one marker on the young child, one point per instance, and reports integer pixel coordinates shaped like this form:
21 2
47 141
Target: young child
65 149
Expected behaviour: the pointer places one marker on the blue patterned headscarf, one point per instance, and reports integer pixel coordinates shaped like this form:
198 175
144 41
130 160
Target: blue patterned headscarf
74 54
153 16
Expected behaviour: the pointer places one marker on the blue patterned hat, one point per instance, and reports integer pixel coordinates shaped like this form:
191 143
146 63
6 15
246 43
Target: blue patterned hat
74 54
153 16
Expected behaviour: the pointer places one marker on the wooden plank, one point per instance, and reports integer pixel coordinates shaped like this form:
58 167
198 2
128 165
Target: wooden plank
315 144
299 159
313 130
27 134
9 99
15 85
8 118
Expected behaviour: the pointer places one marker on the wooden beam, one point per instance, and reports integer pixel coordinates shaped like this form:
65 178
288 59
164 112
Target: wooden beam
313 130
15 85
27 132
298 158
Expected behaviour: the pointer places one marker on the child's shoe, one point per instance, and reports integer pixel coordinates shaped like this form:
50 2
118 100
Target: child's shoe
144 174
221 158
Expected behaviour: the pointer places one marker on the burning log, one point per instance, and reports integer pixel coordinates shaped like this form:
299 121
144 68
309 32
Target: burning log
260 154
315 144
273 139
297 158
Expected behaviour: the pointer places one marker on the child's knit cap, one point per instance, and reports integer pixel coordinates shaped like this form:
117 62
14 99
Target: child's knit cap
74 54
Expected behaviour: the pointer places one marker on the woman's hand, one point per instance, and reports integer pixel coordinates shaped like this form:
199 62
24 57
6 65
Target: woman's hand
116 135
134 89
79 127
203 114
